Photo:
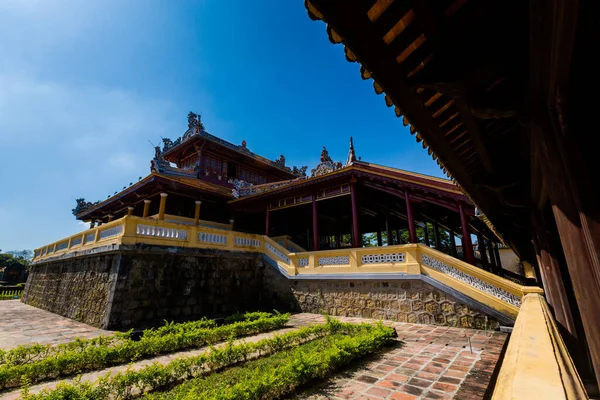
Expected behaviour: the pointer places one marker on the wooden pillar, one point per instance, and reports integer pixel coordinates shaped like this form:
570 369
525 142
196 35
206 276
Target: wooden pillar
412 233
162 206
497 255
146 208
379 239
356 239
388 230
92 224
111 217
315 221
130 210
198 203
452 244
232 223
426 234
398 236
482 252
436 236
337 241
490 254
552 281
466 242
267 222
576 214
98 222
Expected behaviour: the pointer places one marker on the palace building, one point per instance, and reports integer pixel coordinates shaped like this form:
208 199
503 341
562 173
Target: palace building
200 179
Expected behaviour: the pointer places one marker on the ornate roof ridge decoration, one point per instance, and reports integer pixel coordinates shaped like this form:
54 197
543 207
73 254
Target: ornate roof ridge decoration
82 206
196 128
326 165
335 38
351 154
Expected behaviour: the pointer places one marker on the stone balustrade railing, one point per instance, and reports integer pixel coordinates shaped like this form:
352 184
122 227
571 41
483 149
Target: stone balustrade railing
496 292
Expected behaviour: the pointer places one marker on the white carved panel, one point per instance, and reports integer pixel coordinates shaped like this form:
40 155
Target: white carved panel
382 258
472 281
113 231
337 260
62 245
247 242
277 252
303 262
213 238
158 231
90 237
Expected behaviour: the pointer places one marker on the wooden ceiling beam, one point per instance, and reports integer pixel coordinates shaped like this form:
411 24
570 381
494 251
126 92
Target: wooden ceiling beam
358 32
431 25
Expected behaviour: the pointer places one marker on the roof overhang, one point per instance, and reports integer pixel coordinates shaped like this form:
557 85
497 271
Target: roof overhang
454 74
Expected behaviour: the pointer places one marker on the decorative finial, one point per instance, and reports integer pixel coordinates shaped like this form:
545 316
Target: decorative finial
351 155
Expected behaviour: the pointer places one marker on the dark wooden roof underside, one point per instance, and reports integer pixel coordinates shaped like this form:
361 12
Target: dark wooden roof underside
455 70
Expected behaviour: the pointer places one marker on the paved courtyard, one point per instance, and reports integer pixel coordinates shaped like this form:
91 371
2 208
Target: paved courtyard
21 324
427 362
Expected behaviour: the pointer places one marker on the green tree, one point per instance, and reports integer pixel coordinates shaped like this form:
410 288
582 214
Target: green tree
370 239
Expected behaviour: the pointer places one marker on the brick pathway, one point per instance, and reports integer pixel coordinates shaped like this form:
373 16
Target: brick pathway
428 362
21 324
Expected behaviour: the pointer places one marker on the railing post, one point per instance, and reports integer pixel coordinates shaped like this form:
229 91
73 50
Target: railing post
146 208
413 260
162 206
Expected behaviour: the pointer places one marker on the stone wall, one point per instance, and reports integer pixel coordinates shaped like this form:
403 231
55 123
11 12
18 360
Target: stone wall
76 288
140 286
157 286
412 301
143 286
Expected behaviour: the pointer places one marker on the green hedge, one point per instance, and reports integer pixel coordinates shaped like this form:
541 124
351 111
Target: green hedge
281 374
87 355
156 376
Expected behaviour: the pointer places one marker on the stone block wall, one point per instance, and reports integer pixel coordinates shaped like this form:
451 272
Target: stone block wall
76 288
412 301
158 286
141 286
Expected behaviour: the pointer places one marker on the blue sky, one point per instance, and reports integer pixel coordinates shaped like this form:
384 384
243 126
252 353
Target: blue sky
86 86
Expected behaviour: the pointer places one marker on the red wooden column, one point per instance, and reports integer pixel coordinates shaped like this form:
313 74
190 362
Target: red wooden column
452 244
483 252
355 228
412 233
315 221
466 242
267 222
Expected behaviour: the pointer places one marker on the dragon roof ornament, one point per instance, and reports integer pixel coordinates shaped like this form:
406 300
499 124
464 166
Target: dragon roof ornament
326 166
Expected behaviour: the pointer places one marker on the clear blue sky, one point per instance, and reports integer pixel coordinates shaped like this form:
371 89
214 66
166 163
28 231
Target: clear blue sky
85 85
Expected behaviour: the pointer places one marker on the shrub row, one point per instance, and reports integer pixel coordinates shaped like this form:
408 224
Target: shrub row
122 349
281 374
132 383
26 354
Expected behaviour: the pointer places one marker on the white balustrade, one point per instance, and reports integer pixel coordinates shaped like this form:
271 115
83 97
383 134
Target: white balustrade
471 280
382 258
277 253
110 232
213 238
336 260
247 242
302 262
162 232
